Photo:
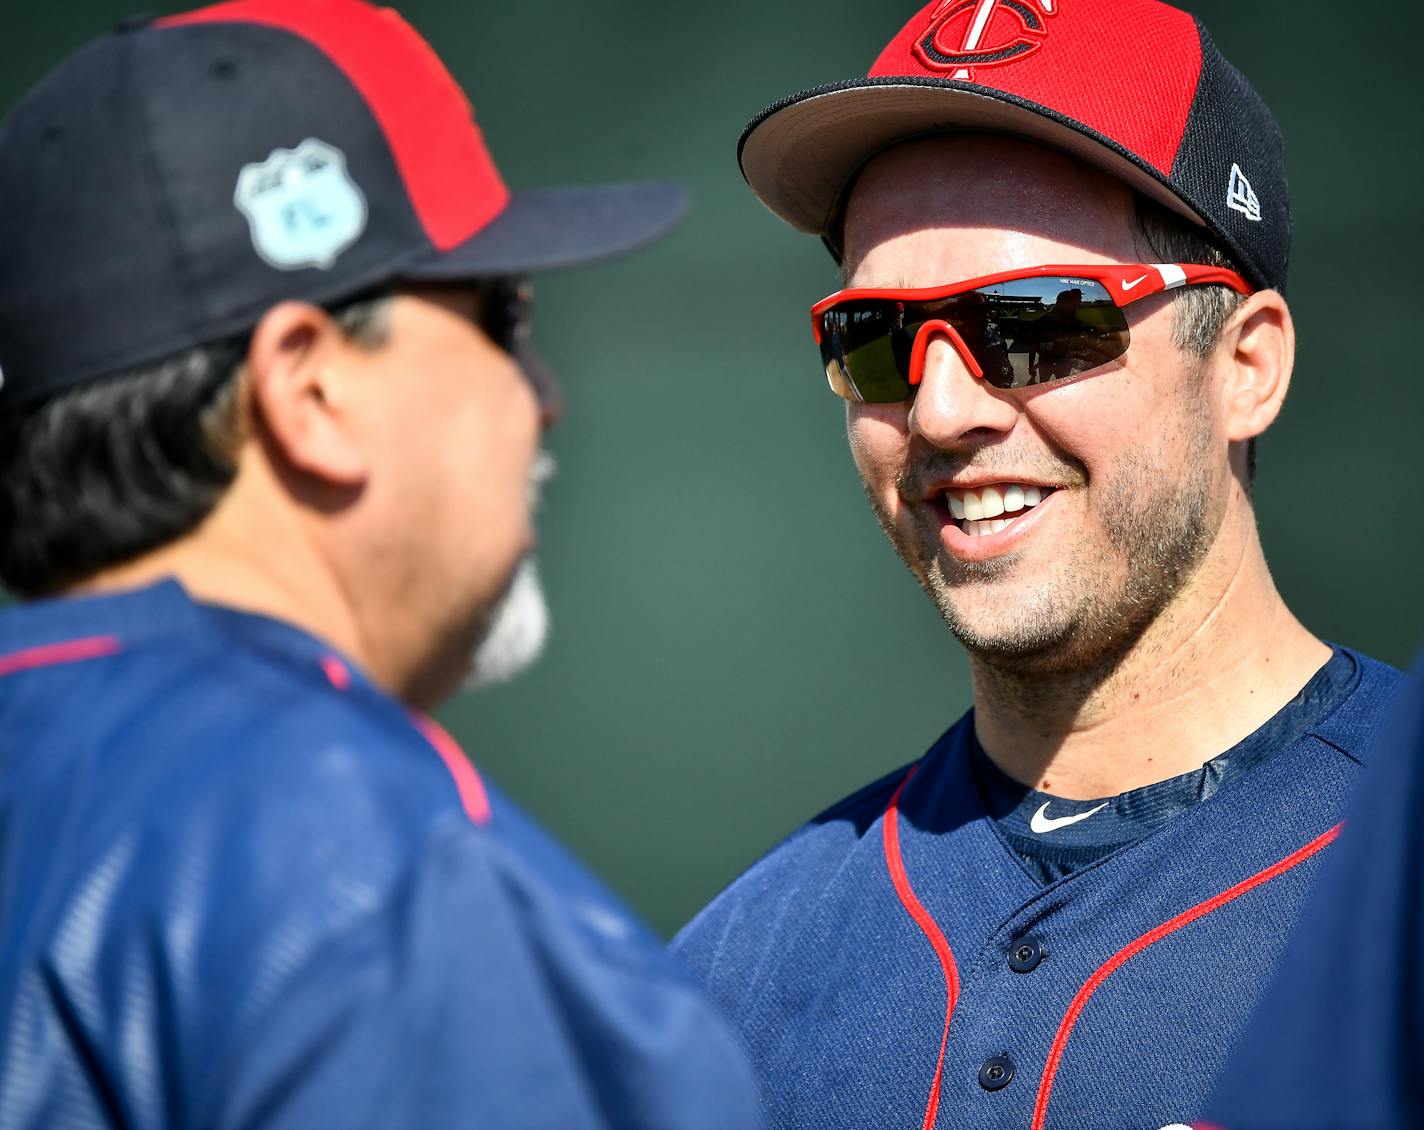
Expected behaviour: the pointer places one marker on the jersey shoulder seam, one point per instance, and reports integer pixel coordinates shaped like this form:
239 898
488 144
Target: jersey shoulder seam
1375 679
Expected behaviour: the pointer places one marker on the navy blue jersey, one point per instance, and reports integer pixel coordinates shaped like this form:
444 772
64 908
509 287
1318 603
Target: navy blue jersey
242 887
897 962
1336 1042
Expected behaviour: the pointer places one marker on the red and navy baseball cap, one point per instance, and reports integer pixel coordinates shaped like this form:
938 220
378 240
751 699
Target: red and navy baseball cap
1133 87
171 181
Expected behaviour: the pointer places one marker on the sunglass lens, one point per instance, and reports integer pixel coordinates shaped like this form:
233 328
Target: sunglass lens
865 347
1038 330
1024 332
504 313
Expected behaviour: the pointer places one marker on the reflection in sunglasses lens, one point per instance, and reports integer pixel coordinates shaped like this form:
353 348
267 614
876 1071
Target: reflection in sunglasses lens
1023 332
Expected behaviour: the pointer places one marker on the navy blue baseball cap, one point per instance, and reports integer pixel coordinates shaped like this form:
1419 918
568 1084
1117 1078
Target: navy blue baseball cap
1136 88
171 181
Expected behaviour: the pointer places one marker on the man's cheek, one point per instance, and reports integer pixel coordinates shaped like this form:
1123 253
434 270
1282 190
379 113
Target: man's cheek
876 448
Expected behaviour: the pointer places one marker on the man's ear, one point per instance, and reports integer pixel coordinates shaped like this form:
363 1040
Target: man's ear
1257 348
295 372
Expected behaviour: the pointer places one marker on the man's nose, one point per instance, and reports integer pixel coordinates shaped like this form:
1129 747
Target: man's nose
953 399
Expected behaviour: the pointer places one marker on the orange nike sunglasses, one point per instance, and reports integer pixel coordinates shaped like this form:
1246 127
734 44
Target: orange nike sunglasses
1030 327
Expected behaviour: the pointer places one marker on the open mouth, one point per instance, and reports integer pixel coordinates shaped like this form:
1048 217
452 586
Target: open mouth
990 509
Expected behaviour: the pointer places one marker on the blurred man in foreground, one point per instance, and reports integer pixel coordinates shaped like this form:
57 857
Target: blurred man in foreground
269 439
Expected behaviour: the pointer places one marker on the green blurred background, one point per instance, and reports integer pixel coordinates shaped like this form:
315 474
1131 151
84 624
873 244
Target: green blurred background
735 646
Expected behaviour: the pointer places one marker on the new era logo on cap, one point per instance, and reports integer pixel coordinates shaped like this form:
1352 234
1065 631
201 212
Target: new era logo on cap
1241 197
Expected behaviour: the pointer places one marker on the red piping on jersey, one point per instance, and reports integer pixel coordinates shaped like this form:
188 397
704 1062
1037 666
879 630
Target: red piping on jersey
336 672
929 927
1156 934
467 781
50 655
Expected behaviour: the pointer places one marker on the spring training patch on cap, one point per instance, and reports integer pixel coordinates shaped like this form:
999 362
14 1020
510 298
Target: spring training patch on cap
302 205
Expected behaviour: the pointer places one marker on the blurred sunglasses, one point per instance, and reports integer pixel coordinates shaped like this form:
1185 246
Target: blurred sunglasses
1030 327
505 306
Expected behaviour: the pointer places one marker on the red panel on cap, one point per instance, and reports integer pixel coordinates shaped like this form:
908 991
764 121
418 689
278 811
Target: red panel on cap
1127 69
453 184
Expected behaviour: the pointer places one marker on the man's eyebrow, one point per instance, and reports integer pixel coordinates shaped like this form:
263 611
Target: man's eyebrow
898 282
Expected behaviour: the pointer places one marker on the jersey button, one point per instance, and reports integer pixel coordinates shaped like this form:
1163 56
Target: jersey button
996 1072
1025 954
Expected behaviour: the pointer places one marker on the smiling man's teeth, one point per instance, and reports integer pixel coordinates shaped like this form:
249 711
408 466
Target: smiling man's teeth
988 526
992 502
978 511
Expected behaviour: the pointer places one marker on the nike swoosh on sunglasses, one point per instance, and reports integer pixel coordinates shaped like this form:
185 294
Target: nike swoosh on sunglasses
1028 327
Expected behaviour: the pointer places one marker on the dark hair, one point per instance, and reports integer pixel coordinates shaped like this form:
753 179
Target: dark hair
1200 313
106 471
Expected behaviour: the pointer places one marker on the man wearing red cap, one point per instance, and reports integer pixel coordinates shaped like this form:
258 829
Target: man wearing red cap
1064 231
269 439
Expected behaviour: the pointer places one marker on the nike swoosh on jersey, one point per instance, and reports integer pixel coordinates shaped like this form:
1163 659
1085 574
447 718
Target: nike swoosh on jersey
1042 822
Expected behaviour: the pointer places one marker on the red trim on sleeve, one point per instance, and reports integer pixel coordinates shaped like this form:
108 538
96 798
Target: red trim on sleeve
467 781
51 655
336 672
929 927
452 181
1132 949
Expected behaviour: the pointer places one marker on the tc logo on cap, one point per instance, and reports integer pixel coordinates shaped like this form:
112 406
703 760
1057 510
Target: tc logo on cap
982 33
302 205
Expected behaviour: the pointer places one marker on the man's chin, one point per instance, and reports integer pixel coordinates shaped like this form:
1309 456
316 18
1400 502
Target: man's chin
515 632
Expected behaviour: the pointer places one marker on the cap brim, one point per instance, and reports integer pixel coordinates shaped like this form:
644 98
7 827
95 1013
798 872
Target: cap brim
548 228
801 155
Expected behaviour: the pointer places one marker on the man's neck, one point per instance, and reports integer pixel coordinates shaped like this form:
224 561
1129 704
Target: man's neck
1213 667
282 574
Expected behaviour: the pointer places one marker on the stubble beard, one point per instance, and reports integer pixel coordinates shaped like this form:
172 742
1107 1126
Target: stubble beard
1082 623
